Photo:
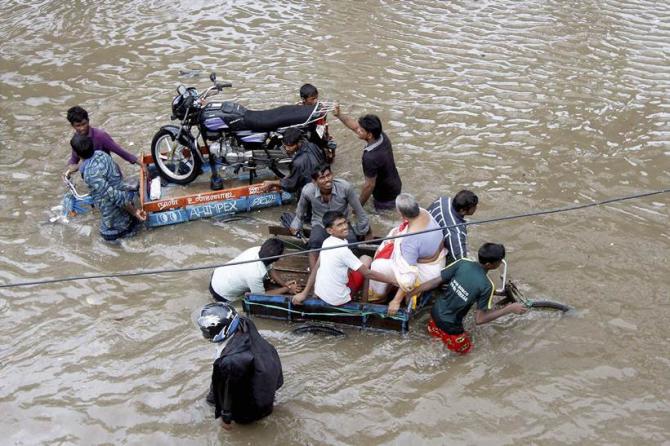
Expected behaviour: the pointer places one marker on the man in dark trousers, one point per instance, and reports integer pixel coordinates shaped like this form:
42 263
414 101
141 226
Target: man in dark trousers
247 371
382 180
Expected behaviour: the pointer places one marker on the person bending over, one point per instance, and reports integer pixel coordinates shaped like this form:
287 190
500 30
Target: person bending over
110 195
78 119
338 274
450 215
324 194
464 283
382 179
229 283
247 370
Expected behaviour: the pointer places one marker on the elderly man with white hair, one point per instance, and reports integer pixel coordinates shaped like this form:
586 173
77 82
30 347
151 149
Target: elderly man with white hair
413 259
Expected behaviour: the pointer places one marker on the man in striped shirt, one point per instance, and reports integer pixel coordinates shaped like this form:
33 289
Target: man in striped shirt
450 214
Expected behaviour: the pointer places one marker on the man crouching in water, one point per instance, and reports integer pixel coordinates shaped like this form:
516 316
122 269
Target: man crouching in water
464 283
247 370
339 273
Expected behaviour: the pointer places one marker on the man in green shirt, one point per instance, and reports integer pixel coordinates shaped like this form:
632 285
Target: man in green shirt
465 283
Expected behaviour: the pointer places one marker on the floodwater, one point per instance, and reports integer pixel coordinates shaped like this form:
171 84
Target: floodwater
532 104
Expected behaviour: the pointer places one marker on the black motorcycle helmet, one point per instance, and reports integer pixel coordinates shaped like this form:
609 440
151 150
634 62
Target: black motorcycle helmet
218 321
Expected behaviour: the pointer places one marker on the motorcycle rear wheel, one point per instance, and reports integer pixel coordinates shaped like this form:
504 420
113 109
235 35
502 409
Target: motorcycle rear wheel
175 162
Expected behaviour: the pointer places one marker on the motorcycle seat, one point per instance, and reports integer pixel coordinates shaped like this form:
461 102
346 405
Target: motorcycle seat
273 119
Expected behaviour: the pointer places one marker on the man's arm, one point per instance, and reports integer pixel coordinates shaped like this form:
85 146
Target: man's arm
138 213
362 221
346 120
71 168
371 274
74 160
290 287
427 286
484 312
223 379
366 190
269 183
111 145
484 316
301 296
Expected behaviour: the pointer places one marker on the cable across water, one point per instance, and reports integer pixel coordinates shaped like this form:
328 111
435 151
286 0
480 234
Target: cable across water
206 267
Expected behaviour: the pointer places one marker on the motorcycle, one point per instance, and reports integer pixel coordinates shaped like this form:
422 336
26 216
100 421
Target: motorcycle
230 134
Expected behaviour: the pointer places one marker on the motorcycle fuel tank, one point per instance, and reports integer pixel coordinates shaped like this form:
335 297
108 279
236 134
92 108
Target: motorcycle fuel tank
217 116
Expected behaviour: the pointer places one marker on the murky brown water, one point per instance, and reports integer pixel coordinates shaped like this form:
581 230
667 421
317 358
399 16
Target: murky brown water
532 104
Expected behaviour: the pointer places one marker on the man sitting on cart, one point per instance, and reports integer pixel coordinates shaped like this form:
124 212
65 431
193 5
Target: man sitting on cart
338 273
324 194
465 283
413 259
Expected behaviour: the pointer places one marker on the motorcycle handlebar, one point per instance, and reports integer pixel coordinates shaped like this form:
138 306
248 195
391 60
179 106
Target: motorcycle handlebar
221 85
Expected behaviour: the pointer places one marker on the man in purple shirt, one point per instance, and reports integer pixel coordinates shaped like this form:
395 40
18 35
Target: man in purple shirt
78 118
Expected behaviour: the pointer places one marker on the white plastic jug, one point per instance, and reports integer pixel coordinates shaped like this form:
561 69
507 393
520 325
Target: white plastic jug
155 188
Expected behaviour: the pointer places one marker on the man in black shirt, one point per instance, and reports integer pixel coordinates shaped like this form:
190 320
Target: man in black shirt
382 180
306 157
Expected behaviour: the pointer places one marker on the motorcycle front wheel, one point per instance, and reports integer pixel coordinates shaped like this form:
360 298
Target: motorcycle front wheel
175 162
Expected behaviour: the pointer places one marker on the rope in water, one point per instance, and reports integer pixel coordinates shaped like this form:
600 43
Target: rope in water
204 267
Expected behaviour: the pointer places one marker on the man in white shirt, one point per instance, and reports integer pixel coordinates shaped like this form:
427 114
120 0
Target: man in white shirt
229 283
339 273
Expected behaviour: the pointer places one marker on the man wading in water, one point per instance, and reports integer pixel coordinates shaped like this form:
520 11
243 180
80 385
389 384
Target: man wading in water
114 200
465 283
78 119
247 370
382 180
